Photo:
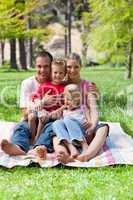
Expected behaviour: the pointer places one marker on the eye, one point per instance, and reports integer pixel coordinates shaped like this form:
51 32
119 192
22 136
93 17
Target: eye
39 66
69 67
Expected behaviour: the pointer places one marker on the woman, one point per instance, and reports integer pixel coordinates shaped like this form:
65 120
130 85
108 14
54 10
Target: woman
96 134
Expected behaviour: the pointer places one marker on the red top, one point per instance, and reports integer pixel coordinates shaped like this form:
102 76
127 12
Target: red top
54 90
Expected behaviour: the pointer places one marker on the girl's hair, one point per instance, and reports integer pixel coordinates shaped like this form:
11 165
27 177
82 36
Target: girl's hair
75 56
60 62
72 88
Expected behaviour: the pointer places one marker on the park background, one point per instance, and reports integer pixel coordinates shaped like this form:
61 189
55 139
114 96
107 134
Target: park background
101 31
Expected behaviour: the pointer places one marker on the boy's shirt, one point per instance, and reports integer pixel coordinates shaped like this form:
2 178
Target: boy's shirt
54 90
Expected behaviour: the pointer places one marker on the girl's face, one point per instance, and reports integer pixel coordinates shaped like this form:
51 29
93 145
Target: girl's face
73 68
71 99
58 74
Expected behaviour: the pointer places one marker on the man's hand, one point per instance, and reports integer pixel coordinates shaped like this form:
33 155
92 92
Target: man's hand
38 105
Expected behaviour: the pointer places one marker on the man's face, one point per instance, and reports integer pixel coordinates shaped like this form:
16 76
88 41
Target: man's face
43 68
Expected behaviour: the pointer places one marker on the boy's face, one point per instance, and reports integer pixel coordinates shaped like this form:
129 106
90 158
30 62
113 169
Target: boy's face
72 99
58 74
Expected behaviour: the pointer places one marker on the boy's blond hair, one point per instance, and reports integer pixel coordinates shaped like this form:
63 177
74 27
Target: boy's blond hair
60 63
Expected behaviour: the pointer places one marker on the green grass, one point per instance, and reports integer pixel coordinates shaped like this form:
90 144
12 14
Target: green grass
109 183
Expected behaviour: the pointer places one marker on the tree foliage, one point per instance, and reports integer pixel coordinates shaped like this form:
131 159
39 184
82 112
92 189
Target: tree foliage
112 27
14 18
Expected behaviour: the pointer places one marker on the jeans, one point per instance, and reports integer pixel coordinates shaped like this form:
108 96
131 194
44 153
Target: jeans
68 129
22 135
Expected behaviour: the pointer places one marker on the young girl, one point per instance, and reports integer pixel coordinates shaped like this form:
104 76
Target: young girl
56 88
69 129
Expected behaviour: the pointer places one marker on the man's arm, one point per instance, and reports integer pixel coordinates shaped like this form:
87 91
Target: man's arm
24 98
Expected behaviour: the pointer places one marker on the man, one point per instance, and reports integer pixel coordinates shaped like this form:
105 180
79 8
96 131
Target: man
20 141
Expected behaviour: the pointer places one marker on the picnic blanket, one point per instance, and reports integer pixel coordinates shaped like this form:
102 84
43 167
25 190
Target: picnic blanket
118 149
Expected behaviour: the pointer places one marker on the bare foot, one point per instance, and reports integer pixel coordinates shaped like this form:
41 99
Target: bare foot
11 149
39 151
64 158
73 150
84 147
82 157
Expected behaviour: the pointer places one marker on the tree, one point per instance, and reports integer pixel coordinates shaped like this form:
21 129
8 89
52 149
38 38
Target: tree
13 26
112 29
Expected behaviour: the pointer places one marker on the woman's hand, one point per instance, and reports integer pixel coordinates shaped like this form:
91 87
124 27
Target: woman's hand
90 130
86 125
89 127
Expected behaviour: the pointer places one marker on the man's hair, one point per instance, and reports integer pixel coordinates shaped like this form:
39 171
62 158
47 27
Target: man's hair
45 54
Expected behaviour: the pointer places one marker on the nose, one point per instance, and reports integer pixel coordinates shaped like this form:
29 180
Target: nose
42 69
72 69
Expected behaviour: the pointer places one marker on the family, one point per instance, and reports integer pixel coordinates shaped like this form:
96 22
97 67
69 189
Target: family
59 113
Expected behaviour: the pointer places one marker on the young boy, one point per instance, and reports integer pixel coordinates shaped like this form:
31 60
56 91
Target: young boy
56 88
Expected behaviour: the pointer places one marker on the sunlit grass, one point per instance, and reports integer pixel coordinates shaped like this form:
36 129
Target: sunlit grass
108 183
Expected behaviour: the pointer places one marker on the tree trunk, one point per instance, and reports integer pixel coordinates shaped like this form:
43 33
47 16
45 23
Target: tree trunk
13 61
22 53
66 36
69 4
2 45
29 45
129 61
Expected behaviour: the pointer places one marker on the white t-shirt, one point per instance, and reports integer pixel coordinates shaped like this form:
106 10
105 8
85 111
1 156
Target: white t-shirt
28 87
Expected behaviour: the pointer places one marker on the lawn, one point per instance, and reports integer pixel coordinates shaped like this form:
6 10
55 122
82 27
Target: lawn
108 183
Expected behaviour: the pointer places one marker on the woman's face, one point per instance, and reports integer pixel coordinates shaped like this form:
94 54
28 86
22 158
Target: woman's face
73 68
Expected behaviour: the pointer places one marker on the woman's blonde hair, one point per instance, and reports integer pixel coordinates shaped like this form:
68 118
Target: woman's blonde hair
75 56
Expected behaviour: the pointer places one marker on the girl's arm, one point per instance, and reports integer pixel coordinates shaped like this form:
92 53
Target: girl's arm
57 114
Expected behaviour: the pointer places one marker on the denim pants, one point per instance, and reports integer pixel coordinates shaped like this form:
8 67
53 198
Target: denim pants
22 135
68 129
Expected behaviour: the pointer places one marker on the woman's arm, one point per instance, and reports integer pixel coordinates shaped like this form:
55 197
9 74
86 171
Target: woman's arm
91 114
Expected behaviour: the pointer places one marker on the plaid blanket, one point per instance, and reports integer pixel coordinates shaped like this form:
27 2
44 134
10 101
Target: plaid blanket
118 149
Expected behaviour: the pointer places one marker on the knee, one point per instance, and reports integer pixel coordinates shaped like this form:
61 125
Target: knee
57 123
31 117
42 119
67 120
104 131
